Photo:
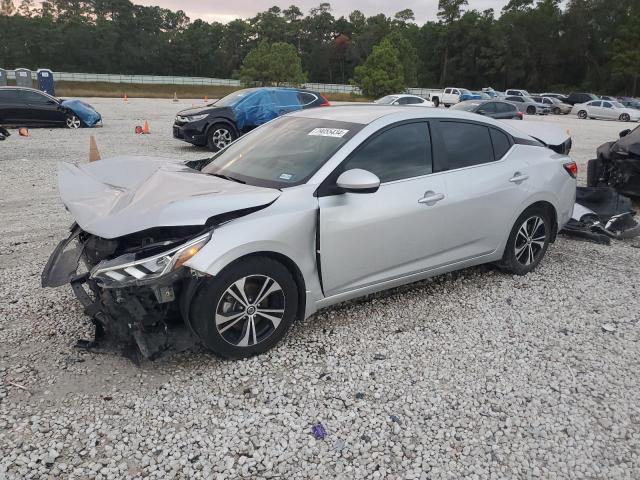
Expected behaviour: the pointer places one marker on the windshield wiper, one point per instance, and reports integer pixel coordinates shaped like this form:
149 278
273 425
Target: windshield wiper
227 177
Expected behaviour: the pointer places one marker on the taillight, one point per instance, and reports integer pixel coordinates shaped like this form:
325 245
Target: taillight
571 168
520 115
325 103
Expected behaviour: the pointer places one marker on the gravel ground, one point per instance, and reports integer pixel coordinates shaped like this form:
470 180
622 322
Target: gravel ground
477 374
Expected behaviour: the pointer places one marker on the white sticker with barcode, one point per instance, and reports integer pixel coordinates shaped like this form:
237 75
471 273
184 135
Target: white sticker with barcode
328 132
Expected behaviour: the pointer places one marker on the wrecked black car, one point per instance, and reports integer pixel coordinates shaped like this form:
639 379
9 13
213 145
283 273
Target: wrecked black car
618 164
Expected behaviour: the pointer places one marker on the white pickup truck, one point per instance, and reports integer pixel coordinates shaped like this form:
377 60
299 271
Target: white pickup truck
452 95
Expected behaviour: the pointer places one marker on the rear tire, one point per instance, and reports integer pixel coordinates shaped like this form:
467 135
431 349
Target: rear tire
219 136
556 111
528 241
246 309
625 117
582 115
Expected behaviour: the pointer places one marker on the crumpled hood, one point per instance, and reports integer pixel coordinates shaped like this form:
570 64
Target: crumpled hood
122 195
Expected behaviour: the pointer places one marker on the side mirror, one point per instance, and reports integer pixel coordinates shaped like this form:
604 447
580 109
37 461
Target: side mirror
358 181
625 132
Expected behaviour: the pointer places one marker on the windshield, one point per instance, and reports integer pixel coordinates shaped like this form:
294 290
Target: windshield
617 104
282 153
388 100
466 106
233 98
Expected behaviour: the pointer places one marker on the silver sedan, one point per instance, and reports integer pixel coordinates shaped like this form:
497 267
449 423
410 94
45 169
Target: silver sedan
311 209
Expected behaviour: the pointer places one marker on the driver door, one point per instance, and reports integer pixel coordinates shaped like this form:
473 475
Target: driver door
368 238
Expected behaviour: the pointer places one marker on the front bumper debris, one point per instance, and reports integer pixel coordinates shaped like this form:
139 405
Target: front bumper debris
145 320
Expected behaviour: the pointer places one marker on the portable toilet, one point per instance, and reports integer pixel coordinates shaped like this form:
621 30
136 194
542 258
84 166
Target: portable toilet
45 81
3 77
23 78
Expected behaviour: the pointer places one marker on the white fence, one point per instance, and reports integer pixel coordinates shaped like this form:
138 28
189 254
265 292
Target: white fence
170 80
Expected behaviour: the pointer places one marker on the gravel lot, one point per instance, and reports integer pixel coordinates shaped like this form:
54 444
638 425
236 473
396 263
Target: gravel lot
476 375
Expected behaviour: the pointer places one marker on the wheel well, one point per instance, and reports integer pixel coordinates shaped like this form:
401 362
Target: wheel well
293 269
550 209
222 120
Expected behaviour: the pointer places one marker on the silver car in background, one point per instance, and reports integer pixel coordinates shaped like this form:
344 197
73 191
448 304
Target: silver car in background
311 209
528 105
609 110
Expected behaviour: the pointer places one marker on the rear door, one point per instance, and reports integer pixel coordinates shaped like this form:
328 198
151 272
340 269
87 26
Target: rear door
12 108
505 110
481 181
595 109
607 111
368 238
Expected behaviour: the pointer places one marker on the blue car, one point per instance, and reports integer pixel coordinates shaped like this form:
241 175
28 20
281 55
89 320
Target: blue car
220 123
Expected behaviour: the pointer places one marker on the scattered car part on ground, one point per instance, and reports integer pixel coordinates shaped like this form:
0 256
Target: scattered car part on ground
28 107
270 229
404 99
452 95
605 110
220 123
600 213
556 106
4 133
490 108
618 164
528 105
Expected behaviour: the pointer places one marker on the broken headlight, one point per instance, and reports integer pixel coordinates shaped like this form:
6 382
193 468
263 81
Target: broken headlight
126 270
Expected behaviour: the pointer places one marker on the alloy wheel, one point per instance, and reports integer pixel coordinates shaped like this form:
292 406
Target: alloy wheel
250 310
582 114
530 240
625 117
221 137
73 121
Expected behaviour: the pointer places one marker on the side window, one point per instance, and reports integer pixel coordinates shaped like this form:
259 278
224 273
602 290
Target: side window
32 98
455 91
506 107
607 105
306 98
595 104
447 90
466 144
401 101
515 99
413 100
401 152
8 96
489 107
501 143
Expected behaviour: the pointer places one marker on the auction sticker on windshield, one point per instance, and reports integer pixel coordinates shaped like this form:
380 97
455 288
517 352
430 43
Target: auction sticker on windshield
329 132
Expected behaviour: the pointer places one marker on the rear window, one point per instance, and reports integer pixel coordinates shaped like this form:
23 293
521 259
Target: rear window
306 98
501 143
388 100
466 144
282 153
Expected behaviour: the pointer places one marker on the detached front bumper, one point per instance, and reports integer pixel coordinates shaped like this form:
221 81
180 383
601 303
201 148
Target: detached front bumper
148 316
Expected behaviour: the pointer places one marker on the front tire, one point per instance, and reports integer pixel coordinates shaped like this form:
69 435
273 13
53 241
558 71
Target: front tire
528 241
625 117
582 114
73 121
436 102
556 111
531 110
246 309
219 136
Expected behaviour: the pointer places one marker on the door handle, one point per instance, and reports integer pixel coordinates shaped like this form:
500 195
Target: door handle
431 198
518 177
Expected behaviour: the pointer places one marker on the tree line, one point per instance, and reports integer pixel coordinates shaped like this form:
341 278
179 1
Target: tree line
589 45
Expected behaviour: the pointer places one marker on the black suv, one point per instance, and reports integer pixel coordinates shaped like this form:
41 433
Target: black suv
220 123
575 98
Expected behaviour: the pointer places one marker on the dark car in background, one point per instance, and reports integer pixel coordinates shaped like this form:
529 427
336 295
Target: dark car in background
578 97
630 102
490 108
220 123
28 107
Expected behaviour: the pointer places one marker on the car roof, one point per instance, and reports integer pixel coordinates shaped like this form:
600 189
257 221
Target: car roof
366 114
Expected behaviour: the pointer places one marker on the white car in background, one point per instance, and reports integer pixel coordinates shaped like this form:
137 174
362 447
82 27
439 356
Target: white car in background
610 110
404 99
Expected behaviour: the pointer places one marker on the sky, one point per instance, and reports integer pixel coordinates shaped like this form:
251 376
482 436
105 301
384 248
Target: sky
225 10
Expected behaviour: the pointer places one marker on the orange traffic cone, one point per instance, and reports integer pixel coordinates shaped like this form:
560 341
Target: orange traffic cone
145 129
23 132
125 98
94 154
206 99
175 96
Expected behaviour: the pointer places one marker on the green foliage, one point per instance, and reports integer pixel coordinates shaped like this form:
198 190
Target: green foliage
582 44
382 72
272 64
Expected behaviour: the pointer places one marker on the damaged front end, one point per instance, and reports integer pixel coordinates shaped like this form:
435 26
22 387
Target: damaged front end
132 286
